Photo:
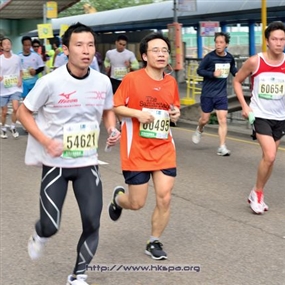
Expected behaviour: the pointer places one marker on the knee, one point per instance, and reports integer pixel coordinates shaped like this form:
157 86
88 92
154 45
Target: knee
204 121
4 112
270 159
136 205
163 202
91 224
222 121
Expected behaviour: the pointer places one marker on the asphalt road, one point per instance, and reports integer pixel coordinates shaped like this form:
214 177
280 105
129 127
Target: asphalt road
212 238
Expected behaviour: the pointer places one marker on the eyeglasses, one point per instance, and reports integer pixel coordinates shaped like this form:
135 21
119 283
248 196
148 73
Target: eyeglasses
36 46
158 50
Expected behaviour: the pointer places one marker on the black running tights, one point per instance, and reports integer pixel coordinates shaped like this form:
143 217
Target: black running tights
87 188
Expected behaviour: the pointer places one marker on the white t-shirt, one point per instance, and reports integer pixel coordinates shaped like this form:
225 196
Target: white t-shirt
33 60
10 71
94 64
117 61
60 60
69 110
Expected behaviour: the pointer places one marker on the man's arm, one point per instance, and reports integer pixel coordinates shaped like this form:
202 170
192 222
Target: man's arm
25 116
233 69
109 120
202 69
142 116
245 71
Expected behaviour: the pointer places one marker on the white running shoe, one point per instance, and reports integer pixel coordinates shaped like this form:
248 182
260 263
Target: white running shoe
196 137
79 281
35 246
223 151
257 203
4 134
14 132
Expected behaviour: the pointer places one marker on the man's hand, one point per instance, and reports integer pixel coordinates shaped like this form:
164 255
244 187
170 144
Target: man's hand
32 71
54 147
174 114
217 73
145 117
114 137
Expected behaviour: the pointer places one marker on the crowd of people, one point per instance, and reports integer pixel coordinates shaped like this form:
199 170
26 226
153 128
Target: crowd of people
63 137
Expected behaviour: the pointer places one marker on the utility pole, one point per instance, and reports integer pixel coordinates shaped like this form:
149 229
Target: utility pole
175 20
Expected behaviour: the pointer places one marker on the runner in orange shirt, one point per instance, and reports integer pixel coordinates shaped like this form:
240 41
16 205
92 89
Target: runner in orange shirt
148 100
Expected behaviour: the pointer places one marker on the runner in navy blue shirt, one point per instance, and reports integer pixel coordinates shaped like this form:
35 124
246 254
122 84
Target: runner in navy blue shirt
215 68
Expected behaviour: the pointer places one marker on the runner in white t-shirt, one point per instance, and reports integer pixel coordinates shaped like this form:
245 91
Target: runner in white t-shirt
119 61
32 65
60 60
10 86
70 101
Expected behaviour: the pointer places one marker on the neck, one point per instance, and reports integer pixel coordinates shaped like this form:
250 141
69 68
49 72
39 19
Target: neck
77 73
156 74
274 56
7 53
223 53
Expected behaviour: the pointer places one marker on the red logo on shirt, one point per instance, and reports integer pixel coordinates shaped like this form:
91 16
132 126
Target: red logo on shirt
67 95
67 98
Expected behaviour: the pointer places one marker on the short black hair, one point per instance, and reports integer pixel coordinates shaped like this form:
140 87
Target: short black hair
36 41
274 26
26 38
225 35
76 28
122 38
150 37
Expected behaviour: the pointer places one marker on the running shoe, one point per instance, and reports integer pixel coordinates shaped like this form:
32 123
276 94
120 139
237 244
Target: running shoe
155 251
223 151
80 280
4 134
35 246
115 210
14 132
196 137
256 201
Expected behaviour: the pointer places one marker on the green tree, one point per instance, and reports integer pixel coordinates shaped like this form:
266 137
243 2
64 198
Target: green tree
100 5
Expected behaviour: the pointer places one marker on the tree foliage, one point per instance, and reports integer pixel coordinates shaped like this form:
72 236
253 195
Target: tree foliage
104 5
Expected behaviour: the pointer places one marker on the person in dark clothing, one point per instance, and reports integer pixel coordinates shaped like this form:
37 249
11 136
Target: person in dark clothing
215 68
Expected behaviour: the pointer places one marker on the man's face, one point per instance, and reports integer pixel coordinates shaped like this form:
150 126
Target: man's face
81 50
27 44
220 44
36 47
276 41
120 45
157 55
6 45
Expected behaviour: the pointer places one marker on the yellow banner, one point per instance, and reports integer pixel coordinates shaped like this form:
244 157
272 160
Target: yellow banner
51 9
63 28
45 31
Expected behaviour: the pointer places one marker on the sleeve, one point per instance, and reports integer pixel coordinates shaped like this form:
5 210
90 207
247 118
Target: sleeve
120 97
109 95
38 96
40 62
134 62
233 67
176 95
107 62
20 63
203 68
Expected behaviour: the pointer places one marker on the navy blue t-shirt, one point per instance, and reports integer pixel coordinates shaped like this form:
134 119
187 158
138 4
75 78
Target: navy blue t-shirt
216 86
